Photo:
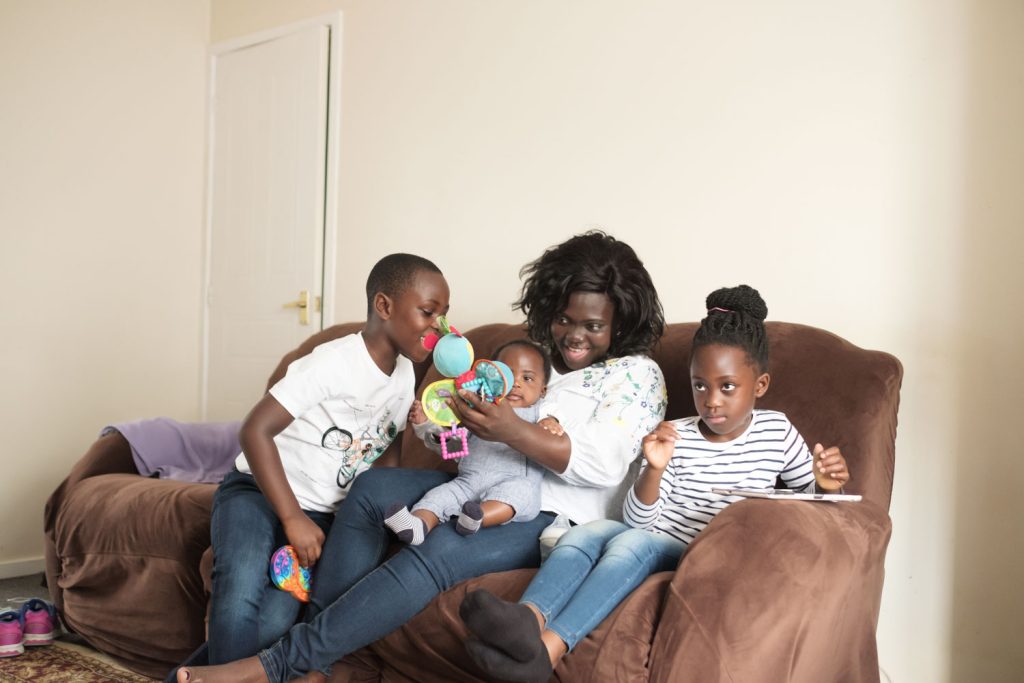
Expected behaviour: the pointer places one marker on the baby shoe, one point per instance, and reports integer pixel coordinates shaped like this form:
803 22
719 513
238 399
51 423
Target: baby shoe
39 621
11 635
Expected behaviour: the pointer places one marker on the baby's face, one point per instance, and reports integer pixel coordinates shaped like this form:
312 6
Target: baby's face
528 375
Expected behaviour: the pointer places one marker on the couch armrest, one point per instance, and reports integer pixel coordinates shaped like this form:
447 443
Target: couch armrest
777 591
126 551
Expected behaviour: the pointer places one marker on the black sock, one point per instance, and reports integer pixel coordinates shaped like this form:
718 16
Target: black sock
507 626
501 666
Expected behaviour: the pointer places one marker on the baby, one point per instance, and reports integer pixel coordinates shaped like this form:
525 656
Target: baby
495 484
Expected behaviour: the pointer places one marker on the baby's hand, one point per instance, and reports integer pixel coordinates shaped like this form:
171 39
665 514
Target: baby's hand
552 425
416 414
830 469
659 445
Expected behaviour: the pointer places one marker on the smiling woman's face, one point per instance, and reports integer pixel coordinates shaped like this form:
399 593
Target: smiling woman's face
582 333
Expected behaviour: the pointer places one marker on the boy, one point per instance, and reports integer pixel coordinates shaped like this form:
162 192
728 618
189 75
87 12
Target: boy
336 412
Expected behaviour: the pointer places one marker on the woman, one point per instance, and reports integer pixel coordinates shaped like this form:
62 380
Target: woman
592 301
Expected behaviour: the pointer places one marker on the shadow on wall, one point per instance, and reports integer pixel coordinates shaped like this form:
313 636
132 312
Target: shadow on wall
988 559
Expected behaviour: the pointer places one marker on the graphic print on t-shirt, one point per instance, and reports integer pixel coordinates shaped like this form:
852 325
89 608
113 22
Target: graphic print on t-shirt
336 439
358 453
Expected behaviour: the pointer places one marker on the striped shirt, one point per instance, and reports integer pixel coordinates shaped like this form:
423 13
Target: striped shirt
770 447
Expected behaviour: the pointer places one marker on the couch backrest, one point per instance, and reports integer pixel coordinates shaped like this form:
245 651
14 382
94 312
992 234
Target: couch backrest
834 392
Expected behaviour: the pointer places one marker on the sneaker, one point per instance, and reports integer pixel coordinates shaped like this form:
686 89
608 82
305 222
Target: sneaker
39 621
11 637
552 532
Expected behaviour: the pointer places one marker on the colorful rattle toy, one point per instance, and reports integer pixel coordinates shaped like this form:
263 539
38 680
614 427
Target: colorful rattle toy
453 358
288 575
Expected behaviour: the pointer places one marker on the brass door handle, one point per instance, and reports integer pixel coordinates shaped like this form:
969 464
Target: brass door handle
303 305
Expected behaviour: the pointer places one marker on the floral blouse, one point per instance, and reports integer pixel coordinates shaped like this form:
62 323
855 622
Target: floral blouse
606 410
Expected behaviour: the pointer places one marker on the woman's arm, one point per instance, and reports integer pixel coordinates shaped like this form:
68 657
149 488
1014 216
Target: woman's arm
602 433
499 422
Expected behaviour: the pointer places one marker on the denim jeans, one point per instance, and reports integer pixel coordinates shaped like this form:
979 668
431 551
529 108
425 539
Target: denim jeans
247 612
591 570
382 597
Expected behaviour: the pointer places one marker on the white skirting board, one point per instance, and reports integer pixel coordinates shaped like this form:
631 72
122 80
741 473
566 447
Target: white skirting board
15 568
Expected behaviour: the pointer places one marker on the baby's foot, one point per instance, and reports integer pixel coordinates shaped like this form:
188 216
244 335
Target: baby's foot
248 670
409 528
470 519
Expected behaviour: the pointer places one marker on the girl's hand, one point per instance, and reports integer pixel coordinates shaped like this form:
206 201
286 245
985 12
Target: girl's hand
830 469
416 414
306 537
489 421
659 445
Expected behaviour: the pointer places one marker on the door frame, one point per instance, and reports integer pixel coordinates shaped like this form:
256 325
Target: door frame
332 162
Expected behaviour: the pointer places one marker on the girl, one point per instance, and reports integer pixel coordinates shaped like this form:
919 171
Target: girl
729 443
592 302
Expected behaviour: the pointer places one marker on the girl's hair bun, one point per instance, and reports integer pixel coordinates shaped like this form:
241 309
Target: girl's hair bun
741 299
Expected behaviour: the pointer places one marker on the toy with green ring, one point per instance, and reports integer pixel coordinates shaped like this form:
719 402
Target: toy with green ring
454 358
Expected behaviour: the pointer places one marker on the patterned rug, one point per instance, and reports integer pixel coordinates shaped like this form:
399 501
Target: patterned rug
63 663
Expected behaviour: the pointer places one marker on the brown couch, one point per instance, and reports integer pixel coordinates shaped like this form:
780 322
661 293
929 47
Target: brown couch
770 591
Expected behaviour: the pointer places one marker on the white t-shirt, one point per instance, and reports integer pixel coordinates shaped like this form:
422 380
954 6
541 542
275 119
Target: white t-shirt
347 412
606 410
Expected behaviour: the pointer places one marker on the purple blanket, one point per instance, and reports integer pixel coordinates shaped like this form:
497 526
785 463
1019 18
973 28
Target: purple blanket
194 451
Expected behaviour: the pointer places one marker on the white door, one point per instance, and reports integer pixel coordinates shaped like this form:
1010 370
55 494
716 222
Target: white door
267 210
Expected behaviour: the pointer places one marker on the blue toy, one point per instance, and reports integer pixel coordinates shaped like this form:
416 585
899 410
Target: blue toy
453 358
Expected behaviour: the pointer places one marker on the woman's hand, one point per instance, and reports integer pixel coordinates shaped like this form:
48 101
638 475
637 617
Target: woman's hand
489 421
306 537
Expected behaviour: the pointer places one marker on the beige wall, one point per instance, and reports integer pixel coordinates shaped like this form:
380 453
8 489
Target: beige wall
102 143
860 163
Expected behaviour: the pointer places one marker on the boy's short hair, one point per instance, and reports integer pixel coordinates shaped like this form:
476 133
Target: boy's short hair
530 344
393 274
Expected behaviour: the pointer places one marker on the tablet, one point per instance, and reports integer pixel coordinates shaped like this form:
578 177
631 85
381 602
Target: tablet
787 494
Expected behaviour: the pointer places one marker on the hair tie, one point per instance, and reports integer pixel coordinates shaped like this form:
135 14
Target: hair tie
717 308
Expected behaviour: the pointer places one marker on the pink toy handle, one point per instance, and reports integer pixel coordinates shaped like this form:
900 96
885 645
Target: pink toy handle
455 432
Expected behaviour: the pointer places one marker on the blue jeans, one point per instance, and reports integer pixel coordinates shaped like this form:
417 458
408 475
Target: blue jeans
591 570
382 597
247 612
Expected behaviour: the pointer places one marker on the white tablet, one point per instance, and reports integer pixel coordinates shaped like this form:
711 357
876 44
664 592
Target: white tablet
786 494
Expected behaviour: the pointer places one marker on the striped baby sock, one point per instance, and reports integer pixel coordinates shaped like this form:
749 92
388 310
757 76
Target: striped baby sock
470 519
409 528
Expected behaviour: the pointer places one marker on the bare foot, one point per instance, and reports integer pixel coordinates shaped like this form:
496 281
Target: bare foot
248 670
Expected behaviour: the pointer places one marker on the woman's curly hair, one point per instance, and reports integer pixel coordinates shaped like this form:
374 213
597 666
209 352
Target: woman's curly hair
593 262
736 318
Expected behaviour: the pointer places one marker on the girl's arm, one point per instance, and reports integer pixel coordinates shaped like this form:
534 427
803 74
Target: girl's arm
659 447
265 421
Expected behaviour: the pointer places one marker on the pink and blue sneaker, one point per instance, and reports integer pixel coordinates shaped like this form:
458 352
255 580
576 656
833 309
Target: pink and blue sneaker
39 622
11 634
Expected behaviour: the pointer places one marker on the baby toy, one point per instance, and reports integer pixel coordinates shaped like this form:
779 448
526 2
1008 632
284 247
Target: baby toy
453 358
287 574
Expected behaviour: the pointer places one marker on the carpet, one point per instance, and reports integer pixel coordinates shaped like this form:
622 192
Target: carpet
63 663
